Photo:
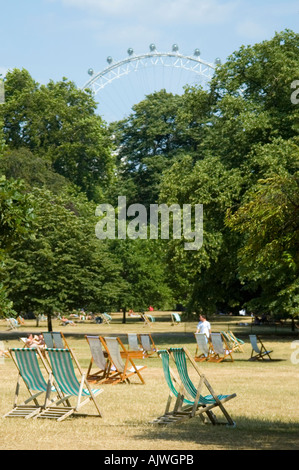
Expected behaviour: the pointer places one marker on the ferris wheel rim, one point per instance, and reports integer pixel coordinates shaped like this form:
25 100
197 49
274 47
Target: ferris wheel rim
135 58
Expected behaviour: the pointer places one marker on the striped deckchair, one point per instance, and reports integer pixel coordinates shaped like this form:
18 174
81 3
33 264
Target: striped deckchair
203 349
221 349
182 405
26 361
258 349
201 404
147 344
63 372
134 346
99 360
116 352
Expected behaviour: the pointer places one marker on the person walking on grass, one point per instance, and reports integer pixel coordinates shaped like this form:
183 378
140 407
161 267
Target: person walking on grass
204 326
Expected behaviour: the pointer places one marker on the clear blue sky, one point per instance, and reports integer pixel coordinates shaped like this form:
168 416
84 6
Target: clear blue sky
64 38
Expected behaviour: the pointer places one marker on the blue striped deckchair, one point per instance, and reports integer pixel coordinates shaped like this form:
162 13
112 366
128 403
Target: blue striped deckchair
203 404
26 361
63 372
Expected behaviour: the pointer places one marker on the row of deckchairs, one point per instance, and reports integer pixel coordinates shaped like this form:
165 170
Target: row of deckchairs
113 362
220 347
142 344
214 349
189 400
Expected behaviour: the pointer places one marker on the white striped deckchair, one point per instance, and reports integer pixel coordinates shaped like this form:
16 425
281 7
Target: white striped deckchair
203 349
221 350
175 318
123 370
26 361
258 349
63 372
201 404
99 360
147 344
134 346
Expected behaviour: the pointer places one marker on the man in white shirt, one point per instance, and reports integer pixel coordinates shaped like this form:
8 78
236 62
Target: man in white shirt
204 326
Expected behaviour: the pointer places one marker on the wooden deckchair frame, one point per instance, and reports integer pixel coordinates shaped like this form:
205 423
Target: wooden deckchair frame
123 370
224 353
58 412
260 351
97 358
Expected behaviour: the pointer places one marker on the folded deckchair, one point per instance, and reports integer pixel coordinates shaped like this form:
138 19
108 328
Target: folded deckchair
203 349
99 360
63 372
188 399
26 361
123 369
134 346
147 343
221 350
175 318
55 339
258 349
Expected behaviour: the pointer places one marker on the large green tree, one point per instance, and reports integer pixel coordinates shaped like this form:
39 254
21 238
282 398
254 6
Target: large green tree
58 122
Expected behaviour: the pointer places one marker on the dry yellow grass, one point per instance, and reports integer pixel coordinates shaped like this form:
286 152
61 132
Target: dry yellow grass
265 410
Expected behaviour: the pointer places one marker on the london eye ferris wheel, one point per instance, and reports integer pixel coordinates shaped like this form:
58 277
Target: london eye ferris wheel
125 82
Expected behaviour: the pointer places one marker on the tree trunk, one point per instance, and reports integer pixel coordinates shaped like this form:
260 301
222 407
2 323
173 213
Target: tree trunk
124 315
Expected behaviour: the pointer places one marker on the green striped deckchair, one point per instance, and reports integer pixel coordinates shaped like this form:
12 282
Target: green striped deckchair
63 372
26 361
175 318
201 404
182 405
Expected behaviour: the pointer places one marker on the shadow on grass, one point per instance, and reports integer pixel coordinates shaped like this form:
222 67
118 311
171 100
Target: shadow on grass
248 434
